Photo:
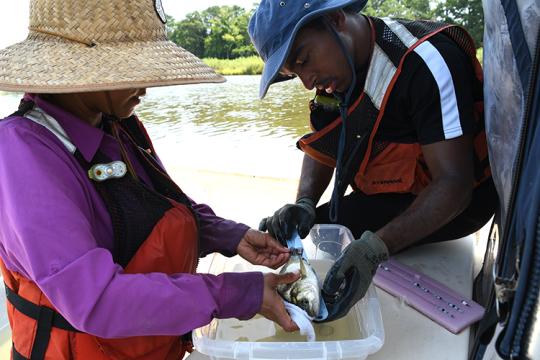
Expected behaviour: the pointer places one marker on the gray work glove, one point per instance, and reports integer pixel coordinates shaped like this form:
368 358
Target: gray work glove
300 216
350 276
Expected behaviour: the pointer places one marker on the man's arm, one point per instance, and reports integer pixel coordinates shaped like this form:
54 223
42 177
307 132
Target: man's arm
314 179
451 165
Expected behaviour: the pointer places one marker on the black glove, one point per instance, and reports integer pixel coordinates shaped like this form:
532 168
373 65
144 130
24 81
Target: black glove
350 276
299 216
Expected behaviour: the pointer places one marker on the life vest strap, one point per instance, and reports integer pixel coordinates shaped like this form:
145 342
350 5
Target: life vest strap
35 312
15 355
46 319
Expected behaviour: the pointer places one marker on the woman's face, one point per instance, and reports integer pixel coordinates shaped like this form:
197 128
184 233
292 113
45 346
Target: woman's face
123 102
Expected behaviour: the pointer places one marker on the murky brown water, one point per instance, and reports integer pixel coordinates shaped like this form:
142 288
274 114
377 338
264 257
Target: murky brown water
259 329
223 127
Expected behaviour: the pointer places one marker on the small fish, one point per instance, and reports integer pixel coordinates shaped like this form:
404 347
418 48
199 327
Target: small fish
304 292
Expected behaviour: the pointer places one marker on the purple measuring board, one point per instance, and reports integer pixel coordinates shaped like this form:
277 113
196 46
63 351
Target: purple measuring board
431 298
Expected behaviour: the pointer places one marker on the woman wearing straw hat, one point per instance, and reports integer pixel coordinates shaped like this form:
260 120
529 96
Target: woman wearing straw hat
98 245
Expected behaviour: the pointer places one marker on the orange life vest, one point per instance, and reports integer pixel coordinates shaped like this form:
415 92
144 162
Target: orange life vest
166 240
382 167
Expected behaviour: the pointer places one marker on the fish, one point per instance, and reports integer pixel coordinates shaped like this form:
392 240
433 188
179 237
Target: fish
304 292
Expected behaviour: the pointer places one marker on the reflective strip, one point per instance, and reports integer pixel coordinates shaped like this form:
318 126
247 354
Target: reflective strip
443 78
380 73
406 37
40 117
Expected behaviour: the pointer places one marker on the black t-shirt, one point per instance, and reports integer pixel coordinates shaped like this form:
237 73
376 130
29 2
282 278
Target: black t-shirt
415 112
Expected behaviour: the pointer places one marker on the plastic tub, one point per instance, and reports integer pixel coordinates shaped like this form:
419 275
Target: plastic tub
356 336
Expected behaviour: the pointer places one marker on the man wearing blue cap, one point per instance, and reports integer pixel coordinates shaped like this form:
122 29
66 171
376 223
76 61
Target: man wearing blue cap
398 113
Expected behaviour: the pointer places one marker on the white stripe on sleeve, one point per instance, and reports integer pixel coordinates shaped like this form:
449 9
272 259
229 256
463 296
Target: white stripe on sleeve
380 74
401 32
443 78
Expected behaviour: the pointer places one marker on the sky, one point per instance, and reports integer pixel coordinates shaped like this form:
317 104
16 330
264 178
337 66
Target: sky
14 14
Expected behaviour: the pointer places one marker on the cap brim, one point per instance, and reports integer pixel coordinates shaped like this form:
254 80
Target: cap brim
276 61
46 64
272 67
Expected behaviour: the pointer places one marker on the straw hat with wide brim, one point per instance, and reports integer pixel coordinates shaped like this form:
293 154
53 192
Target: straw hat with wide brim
96 45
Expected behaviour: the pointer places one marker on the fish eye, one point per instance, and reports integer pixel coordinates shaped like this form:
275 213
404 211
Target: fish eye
304 304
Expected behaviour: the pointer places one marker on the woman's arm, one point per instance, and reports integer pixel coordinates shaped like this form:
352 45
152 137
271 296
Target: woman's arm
48 228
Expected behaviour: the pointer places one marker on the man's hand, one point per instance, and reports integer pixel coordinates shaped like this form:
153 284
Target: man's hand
261 249
299 216
272 306
350 276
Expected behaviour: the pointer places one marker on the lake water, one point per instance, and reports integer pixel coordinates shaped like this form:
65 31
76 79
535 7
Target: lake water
223 127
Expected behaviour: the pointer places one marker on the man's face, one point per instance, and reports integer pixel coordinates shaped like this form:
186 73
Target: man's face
318 60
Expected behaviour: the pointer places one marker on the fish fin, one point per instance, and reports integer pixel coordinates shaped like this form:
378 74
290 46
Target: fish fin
303 270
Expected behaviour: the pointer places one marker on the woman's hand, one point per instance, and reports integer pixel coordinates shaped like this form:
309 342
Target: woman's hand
261 249
272 306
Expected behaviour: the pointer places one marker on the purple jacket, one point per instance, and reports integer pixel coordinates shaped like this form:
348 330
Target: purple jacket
55 231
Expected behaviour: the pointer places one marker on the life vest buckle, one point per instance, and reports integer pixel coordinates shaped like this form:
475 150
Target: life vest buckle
112 170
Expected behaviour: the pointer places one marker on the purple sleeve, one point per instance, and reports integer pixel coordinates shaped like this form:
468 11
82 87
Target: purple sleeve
47 233
218 234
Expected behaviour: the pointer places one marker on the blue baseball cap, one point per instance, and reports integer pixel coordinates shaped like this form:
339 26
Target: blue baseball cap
274 25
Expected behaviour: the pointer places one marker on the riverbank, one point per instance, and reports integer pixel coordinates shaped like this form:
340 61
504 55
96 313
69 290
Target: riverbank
251 65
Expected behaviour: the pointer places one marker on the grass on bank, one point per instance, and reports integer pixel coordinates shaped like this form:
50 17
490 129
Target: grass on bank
253 65
480 54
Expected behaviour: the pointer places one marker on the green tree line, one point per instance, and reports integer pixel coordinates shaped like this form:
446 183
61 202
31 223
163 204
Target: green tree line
221 31
217 32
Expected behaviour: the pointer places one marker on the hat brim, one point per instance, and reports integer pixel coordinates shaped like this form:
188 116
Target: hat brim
276 61
48 64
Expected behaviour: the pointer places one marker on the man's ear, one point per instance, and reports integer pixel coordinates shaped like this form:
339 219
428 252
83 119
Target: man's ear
337 19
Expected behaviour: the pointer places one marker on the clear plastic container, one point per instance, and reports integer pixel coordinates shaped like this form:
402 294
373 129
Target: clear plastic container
355 336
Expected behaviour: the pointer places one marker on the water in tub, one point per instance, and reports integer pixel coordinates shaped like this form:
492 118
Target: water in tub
260 329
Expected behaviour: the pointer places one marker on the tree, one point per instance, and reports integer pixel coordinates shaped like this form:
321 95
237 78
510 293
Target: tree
189 33
227 32
169 25
244 46
219 32
466 13
405 9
